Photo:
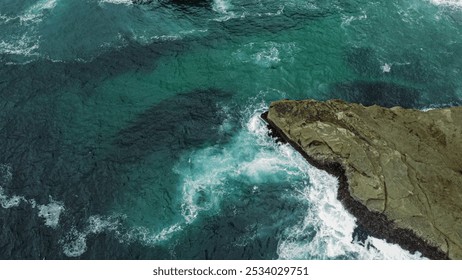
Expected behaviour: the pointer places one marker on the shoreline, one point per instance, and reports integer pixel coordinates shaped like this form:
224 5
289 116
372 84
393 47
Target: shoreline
376 223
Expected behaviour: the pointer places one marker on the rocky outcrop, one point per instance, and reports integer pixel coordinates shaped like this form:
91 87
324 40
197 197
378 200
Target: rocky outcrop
400 170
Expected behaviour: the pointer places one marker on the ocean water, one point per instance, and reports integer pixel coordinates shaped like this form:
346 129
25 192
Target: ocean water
132 129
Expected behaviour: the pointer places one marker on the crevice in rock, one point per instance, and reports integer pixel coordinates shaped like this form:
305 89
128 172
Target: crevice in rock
385 193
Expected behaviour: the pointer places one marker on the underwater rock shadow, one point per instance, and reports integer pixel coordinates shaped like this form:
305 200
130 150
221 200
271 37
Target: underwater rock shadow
409 68
44 76
269 25
380 93
163 131
191 3
87 186
363 61
179 123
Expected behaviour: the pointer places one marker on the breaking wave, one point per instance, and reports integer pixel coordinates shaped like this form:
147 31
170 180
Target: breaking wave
51 212
453 3
123 2
6 201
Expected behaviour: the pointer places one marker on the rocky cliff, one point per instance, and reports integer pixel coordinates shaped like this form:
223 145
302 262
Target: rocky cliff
400 170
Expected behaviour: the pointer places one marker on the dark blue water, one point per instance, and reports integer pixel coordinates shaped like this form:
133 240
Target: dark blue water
131 130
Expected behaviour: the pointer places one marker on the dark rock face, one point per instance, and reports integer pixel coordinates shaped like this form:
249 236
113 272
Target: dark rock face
398 169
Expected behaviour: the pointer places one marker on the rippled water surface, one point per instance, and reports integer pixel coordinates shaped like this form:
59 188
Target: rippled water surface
133 131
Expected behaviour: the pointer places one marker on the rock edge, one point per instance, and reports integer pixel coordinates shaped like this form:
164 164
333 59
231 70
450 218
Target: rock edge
296 121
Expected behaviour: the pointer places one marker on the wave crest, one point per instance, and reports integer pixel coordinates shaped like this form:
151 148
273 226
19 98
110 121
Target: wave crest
453 3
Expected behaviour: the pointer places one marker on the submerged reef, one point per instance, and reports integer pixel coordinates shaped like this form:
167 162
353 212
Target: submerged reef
399 170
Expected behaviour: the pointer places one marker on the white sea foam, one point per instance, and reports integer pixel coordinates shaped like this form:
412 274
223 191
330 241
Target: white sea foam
75 244
453 3
266 54
221 6
347 20
24 45
98 224
26 42
166 233
32 203
203 175
6 175
117 2
6 19
150 237
386 68
9 201
326 232
224 9
268 58
202 187
145 40
51 212
36 11
332 227
209 175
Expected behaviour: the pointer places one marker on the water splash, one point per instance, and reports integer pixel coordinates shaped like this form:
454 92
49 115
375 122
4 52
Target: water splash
74 243
452 3
6 175
117 2
51 212
36 12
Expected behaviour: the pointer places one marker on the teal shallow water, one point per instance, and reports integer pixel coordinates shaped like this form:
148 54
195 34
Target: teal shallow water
132 130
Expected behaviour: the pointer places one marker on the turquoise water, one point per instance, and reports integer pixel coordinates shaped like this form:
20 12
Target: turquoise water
133 131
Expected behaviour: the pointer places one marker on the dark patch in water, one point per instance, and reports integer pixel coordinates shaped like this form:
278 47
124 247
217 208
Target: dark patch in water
88 175
142 2
20 83
279 22
360 234
200 3
363 61
416 69
376 93
411 67
173 125
23 237
30 143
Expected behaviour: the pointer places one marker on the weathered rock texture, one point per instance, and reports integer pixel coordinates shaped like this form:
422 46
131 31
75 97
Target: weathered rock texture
400 170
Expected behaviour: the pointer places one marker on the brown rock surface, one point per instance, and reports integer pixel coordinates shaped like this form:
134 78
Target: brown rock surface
401 168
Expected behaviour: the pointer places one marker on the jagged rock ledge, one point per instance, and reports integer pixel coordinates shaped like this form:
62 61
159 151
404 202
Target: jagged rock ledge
399 170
